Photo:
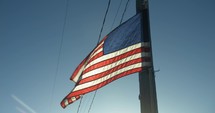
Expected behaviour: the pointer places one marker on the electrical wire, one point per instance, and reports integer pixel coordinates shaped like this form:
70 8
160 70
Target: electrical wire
94 95
92 101
59 55
124 11
98 43
79 106
104 21
100 37
116 14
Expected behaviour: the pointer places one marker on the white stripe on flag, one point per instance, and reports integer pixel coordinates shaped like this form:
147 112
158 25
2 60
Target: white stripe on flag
107 67
97 81
117 53
75 79
95 52
100 50
66 102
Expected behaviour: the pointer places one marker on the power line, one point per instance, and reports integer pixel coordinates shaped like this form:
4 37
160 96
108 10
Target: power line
94 95
100 37
92 101
59 55
124 11
104 21
98 43
116 14
79 104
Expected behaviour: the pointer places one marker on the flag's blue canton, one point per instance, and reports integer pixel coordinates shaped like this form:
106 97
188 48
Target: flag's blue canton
125 35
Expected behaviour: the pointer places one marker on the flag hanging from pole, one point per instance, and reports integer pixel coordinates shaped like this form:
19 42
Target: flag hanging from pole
120 53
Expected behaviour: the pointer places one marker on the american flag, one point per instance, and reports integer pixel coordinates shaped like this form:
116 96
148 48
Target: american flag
120 53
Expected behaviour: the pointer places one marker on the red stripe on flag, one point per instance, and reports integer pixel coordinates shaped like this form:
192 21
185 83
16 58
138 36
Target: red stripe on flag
96 49
78 68
69 101
95 57
92 88
111 70
87 58
114 59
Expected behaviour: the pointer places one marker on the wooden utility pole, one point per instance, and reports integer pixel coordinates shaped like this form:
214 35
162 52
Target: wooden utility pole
148 97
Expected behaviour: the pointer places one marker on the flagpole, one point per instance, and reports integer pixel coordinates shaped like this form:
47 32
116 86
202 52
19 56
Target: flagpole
148 97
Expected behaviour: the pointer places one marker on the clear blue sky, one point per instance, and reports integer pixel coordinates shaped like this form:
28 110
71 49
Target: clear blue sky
183 37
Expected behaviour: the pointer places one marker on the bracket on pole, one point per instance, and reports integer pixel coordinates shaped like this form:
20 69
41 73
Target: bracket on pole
141 5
